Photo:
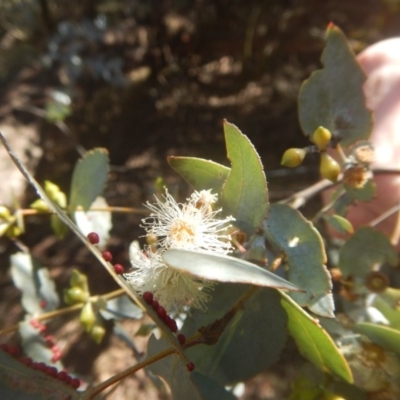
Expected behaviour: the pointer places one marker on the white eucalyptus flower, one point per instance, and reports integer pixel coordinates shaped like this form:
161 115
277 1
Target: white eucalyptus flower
189 226
171 288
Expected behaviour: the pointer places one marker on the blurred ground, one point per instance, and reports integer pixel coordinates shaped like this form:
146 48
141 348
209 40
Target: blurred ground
148 79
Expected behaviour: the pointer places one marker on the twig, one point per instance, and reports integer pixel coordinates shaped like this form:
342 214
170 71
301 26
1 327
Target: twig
66 310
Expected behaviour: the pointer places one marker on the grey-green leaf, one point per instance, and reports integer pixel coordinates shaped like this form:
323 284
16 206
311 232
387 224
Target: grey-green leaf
173 371
333 97
385 336
365 249
251 342
199 173
314 342
223 269
244 194
35 283
88 179
290 233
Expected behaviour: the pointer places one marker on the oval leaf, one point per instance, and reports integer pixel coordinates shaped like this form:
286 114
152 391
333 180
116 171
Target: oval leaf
386 337
199 173
89 178
250 343
333 97
363 250
244 194
339 224
291 234
173 371
223 269
314 342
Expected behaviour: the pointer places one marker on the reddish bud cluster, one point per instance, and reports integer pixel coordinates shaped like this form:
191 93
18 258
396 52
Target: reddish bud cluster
41 366
160 310
39 326
48 339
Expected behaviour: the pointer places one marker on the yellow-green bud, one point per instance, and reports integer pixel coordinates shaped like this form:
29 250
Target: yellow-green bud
14 231
74 295
79 280
40 205
88 316
51 189
321 137
4 213
293 157
97 332
329 167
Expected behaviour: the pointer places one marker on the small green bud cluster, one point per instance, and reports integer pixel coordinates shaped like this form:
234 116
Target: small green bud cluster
329 167
11 224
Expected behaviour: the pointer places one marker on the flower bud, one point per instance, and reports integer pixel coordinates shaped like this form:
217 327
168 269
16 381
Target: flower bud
78 280
40 206
74 295
293 157
97 332
4 213
329 167
321 137
88 316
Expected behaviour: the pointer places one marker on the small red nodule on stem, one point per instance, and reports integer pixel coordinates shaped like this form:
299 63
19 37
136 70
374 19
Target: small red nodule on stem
107 256
75 383
155 305
148 298
161 312
190 366
93 238
119 269
181 338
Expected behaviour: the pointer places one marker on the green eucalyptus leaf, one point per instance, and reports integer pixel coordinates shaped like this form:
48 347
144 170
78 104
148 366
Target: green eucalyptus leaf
173 371
339 224
199 173
384 336
89 178
209 389
313 341
223 269
35 283
333 97
392 314
17 381
290 233
244 194
250 343
365 249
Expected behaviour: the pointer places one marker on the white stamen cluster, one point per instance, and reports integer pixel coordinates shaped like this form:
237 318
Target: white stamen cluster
190 226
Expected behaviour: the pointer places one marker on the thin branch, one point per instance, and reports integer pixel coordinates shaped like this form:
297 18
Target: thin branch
66 310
